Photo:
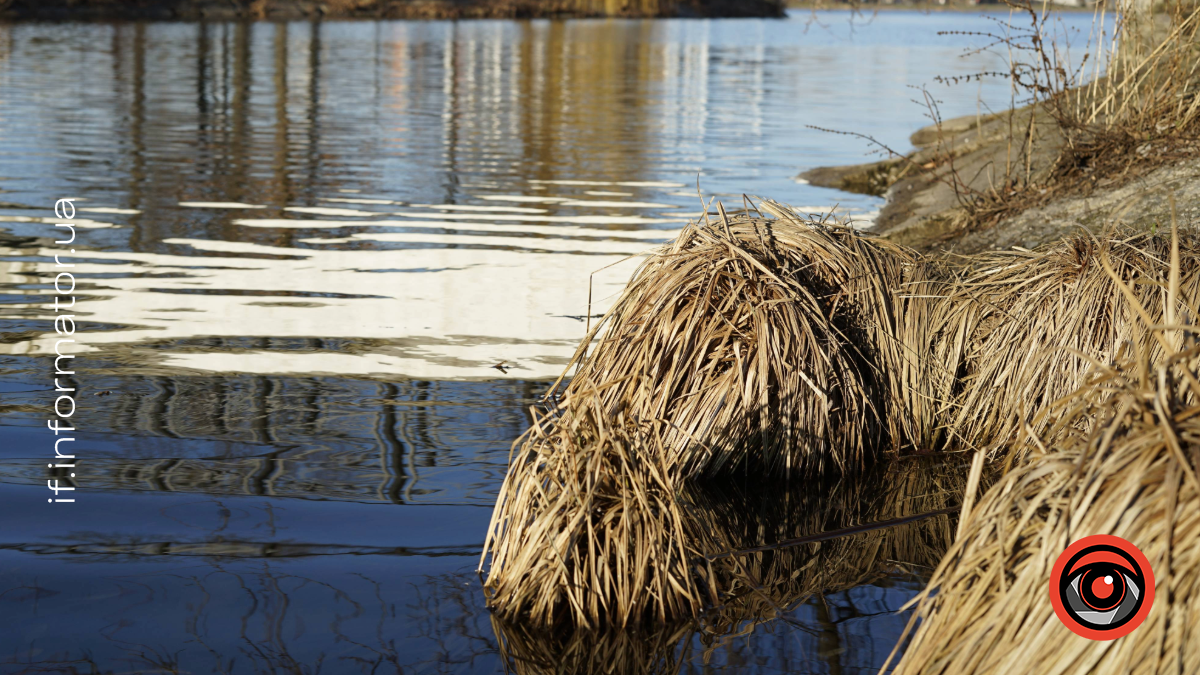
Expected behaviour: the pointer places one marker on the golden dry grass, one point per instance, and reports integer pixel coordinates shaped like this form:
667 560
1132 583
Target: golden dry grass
587 530
987 609
722 334
1040 320
1127 104
780 347
740 591
751 320
1117 456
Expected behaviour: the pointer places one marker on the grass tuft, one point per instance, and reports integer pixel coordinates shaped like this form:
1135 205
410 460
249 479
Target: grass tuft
1126 468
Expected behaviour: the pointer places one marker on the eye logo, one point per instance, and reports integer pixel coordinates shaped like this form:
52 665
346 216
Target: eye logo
1102 587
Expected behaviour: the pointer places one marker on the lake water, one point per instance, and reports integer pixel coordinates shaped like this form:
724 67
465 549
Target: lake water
303 249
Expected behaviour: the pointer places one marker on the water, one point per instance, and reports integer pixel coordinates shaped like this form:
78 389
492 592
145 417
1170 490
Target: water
306 247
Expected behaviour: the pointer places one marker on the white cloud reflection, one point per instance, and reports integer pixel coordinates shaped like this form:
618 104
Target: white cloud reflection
440 299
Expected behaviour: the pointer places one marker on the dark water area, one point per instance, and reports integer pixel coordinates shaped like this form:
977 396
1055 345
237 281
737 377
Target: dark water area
302 250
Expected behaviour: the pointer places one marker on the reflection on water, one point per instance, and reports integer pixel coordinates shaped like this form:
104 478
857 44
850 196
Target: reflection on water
324 270
222 583
409 442
445 190
826 606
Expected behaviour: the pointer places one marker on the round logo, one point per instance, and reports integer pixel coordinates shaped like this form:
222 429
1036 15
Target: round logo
1102 587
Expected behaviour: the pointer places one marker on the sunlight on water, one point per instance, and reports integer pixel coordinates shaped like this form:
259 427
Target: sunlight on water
502 298
526 156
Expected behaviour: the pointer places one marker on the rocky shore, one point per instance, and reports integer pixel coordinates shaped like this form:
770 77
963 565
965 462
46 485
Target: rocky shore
193 10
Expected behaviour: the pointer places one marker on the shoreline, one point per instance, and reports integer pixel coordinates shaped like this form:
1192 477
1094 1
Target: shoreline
922 210
285 10
924 7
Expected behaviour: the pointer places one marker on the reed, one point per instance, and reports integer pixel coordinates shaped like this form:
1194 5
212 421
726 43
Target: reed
1119 456
1133 476
772 347
742 323
596 532
586 530
754 343
721 524
1040 320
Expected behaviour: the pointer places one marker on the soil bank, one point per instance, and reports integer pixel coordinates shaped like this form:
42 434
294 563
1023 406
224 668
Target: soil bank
925 202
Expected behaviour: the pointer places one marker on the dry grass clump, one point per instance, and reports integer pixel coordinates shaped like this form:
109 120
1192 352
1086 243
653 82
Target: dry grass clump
749 587
1041 320
766 347
783 343
586 530
596 531
1132 474
778 345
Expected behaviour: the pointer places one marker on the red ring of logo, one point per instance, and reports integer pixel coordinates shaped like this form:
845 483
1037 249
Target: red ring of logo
1107 552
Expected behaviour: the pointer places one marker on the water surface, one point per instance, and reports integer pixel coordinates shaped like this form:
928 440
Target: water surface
303 250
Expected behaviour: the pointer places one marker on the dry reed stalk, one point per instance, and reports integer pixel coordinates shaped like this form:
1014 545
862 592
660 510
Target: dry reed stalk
778 343
1124 465
1039 321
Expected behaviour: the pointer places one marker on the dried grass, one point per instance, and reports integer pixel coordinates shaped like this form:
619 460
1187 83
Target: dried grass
587 530
1041 320
743 323
1127 478
721 335
1119 456
778 348
1127 104
737 592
